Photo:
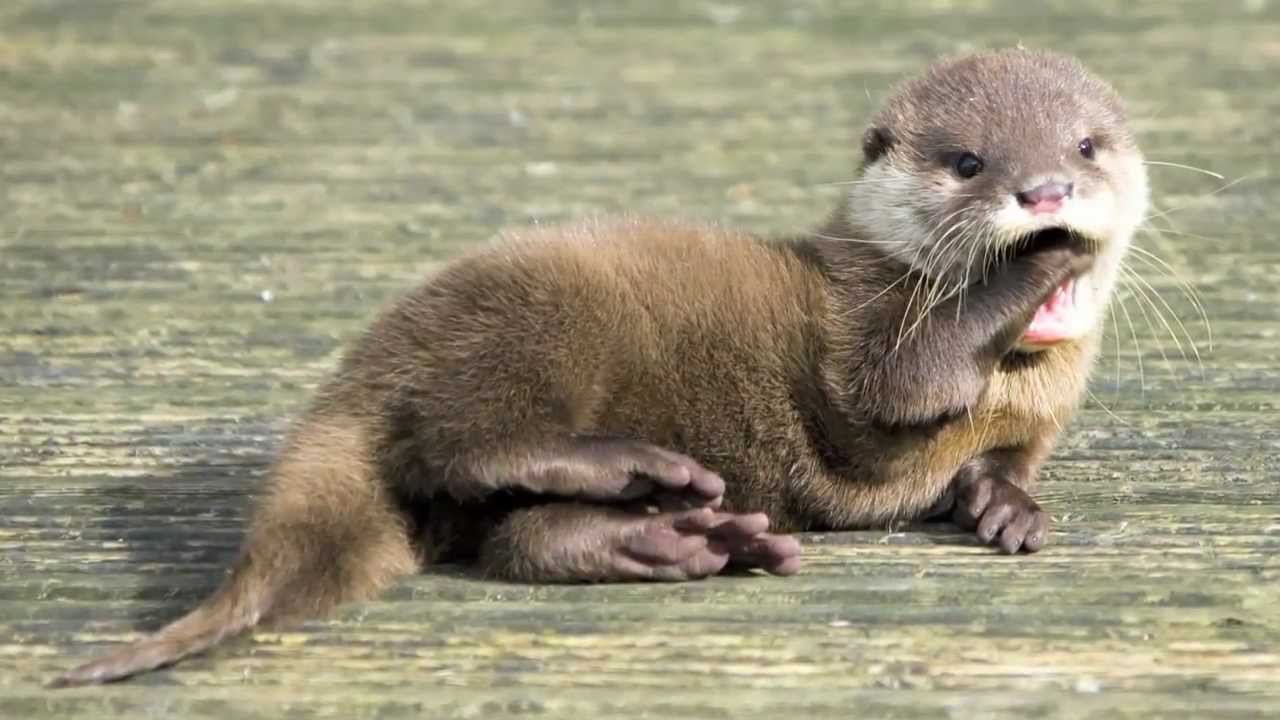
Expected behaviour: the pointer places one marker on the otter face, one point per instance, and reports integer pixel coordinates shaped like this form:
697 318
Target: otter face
975 159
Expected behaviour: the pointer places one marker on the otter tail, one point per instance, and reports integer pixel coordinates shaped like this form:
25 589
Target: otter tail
326 532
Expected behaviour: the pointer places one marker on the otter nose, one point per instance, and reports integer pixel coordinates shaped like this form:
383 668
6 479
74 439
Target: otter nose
1044 198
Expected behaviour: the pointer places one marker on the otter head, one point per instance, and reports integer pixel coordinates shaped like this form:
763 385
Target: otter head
983 154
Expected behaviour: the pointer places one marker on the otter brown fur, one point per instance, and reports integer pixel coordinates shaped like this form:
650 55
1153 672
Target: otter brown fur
636 399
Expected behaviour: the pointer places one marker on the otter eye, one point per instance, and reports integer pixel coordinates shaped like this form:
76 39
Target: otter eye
1086 148
968 165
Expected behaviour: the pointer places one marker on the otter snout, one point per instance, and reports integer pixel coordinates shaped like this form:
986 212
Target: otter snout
1047 197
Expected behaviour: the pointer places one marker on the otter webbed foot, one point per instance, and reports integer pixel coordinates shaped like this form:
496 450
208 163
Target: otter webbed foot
608 470
576 542
998 511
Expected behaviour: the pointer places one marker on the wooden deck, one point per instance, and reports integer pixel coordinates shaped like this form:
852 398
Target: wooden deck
200 202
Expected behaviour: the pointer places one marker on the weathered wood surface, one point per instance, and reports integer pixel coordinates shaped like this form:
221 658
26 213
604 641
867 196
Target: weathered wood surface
199 202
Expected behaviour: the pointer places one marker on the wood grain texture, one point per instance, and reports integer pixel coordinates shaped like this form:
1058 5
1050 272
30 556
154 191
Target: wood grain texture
200 203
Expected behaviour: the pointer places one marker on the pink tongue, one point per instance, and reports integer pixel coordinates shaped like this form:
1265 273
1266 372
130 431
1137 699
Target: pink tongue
1055 319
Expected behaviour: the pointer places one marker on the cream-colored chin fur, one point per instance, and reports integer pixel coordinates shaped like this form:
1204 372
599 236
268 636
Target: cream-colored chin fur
884 204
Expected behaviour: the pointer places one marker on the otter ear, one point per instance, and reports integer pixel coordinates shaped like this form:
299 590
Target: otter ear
876 141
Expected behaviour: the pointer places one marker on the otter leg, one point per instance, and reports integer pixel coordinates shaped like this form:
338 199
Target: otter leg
962 339
988 497
576 542
590 468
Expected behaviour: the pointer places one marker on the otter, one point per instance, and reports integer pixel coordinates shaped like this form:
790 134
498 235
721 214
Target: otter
655 400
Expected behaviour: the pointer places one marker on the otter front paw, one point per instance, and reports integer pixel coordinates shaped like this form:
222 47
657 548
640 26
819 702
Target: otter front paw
1000 513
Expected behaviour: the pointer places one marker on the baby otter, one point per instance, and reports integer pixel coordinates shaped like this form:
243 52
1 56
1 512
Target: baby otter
638 400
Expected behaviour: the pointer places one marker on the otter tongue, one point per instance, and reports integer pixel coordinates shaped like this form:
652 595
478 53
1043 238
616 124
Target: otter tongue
1058 319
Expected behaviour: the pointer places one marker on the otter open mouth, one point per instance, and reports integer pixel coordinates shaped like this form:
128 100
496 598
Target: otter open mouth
1052 237
1068 312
